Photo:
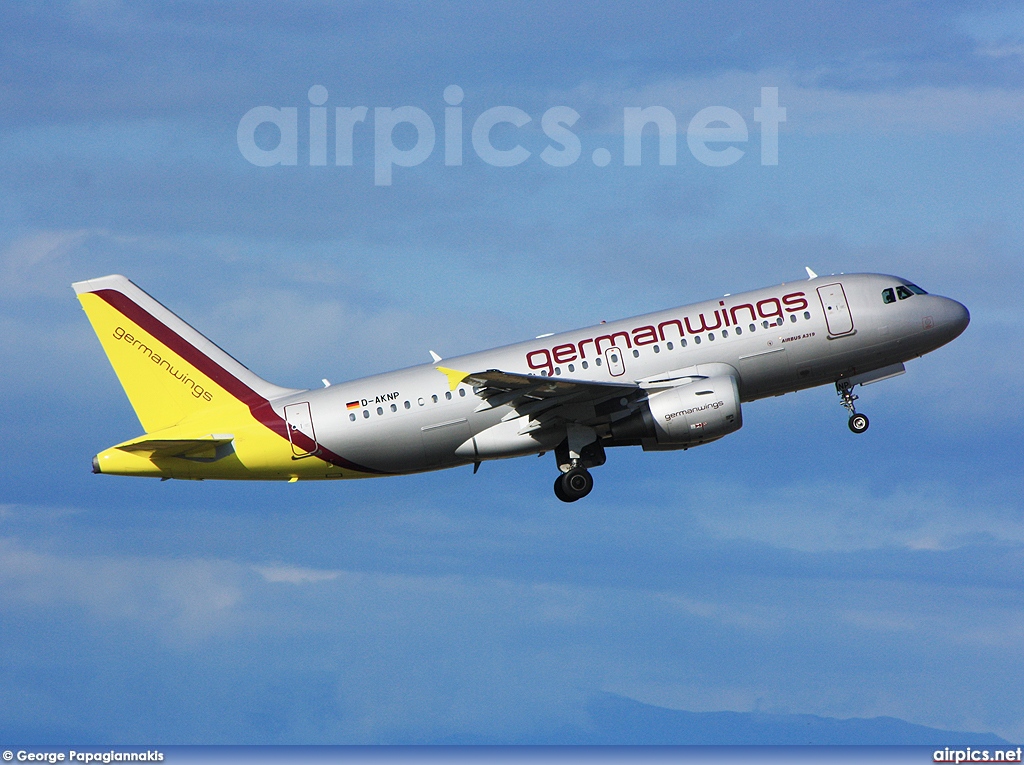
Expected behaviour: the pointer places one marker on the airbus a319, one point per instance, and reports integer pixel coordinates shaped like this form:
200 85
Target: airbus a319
669 380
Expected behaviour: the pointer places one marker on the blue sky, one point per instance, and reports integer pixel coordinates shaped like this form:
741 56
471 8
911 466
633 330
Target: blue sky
790 568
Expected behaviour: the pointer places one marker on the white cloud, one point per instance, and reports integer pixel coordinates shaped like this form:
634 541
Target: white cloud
184 600
295 574
847 515
36 264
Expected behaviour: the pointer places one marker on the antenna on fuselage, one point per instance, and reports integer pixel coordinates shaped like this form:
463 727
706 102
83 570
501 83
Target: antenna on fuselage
810 273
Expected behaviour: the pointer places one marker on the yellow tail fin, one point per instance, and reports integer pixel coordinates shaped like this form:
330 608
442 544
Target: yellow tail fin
168 370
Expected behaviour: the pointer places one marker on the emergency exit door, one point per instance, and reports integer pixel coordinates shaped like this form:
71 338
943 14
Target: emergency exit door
616 365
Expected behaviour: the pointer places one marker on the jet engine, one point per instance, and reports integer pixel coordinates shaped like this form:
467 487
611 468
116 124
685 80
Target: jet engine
688 415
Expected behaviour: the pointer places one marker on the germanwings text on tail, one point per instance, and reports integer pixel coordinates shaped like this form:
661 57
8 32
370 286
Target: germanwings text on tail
668 380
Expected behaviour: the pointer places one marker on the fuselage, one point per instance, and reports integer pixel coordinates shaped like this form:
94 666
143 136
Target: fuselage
778 340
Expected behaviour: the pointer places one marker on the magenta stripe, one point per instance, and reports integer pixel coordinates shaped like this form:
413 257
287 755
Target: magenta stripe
259 407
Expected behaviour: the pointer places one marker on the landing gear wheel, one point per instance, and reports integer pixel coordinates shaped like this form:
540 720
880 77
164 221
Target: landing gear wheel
574 484
859 423
560 493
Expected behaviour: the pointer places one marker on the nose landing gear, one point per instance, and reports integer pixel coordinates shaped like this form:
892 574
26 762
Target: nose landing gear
858 422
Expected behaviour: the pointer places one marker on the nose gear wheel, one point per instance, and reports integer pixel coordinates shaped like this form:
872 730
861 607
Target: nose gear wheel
858 422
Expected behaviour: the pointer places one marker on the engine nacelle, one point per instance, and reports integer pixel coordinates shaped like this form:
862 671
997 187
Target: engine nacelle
685 416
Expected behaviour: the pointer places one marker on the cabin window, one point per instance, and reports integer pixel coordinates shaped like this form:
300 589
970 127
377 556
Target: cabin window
711 335
408 405
366 414
792 318
753 327
352 416
572 368
394 407
636 353
585 365
903 293
725 333
888 295
434 398
657 349
420 401
543 373
682 342
739 330
558 370
380 410
807 314
669 345
765 324
448 395
462 391
598 361
696 339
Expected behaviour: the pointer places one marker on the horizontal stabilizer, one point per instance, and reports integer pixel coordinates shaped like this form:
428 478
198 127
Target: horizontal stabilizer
210 447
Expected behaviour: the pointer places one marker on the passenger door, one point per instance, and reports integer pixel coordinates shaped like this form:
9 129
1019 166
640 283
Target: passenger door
837 311
300 429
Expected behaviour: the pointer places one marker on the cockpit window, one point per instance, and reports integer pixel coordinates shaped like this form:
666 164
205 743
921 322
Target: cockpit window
903 292
888 295
915 289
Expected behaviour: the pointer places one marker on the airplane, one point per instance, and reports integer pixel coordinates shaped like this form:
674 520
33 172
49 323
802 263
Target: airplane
669 380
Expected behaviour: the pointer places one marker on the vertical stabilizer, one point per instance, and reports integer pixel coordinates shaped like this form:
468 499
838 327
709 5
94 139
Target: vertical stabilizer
168 370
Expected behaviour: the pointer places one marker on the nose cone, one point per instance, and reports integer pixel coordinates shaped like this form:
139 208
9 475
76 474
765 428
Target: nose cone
955 318
950 319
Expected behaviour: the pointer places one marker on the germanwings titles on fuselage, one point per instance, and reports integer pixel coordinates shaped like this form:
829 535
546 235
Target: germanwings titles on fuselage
663 381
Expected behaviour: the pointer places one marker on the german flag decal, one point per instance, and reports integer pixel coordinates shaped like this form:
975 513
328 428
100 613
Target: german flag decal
352 405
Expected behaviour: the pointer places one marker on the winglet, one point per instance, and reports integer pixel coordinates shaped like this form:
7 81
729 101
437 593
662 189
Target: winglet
454 376
810 273
435 357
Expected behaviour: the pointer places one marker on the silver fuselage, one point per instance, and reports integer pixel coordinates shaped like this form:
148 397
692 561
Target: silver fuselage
779 339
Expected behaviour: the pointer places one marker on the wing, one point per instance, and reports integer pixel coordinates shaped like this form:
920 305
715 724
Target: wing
544 399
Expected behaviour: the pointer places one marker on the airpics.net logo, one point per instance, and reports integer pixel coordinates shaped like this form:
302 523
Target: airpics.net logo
712 134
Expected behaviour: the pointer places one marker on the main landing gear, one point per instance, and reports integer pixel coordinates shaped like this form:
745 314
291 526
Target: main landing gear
858 422
574 484
580 450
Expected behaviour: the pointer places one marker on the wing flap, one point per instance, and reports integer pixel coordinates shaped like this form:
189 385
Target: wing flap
496 381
